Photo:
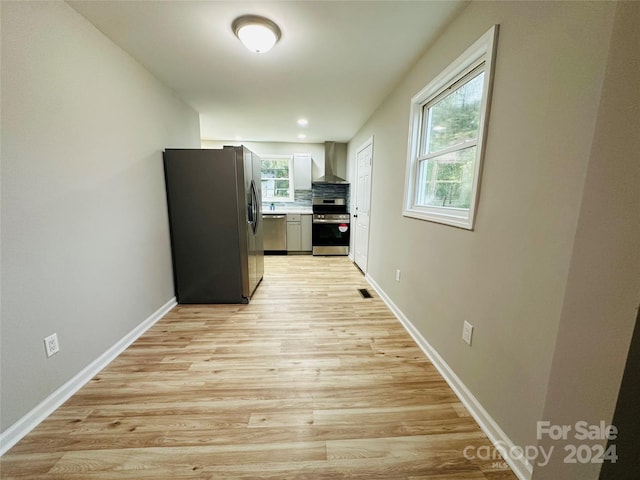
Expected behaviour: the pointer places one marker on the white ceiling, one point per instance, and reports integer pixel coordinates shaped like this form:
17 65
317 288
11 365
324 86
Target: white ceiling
335 63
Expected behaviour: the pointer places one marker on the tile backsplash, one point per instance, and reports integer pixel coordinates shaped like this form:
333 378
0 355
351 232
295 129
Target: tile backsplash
301 198
331 190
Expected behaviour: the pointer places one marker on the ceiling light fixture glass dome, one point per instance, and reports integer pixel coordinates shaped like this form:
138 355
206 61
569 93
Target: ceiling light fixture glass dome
258 34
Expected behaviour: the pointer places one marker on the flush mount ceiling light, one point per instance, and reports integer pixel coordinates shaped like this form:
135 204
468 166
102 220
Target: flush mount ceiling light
258 34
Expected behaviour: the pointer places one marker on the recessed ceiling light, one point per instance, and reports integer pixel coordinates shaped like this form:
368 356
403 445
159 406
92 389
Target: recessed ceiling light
303 122
258 34
301 136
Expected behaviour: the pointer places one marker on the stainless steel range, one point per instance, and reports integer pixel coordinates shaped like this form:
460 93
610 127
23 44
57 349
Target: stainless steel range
331 226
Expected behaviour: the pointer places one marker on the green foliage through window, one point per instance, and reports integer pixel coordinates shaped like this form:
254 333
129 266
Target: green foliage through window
276 179
454 118
450 135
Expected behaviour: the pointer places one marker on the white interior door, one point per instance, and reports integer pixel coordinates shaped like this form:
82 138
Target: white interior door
364 159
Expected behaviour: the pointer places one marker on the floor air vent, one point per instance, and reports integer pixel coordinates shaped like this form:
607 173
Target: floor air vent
365 293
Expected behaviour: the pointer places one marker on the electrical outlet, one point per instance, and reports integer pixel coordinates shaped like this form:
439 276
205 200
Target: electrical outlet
467 332
51 344
397 275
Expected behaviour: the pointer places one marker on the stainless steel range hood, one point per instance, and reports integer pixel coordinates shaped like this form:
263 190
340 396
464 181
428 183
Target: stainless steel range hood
330 161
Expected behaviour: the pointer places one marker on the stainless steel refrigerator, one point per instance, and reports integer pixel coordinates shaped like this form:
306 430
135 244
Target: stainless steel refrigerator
215 219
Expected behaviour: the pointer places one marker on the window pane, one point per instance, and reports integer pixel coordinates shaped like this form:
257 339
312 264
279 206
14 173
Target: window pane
275 168
447 180
275 178
281 188
455 118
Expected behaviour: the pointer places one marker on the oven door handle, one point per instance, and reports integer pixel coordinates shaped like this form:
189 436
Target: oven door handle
335 222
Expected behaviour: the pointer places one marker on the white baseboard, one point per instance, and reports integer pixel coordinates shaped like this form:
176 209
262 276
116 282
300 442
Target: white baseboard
522 468
22 427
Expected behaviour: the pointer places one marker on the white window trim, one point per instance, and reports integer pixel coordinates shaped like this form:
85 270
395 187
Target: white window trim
483 50
291 196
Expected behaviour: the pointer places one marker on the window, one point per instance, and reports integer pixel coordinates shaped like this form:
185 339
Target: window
277 178
446 138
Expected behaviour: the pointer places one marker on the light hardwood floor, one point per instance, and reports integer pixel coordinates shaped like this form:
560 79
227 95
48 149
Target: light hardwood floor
309 381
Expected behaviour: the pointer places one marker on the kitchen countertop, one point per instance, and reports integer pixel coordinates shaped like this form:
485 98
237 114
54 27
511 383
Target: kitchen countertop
284 211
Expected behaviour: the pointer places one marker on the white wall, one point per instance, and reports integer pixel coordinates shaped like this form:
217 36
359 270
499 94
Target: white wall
603 287
85 241
510 276
279 148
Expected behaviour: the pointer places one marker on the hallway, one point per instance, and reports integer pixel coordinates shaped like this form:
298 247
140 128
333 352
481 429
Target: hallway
309 381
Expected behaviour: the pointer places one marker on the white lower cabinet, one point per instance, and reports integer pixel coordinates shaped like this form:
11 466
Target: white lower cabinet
298 233
305 240
293 236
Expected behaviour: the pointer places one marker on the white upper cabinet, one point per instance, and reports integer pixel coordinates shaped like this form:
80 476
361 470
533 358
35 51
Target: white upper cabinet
302 171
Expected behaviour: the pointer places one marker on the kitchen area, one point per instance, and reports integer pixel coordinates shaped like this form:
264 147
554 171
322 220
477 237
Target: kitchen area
229 206
314 217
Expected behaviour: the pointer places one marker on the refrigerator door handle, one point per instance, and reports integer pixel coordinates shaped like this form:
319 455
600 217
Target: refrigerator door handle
258 209
253 208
